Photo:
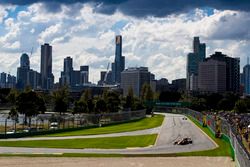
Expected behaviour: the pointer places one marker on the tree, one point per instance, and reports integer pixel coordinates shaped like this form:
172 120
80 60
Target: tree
225 105
88 99
12 96
169 96
199 104
143 91
240 106
100 106
149 95
80 107
113 102
61 99
213 100
30 104
13 114
129 100
87 95
138 105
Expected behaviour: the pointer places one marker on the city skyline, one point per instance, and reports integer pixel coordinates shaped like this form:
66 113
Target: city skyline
148 40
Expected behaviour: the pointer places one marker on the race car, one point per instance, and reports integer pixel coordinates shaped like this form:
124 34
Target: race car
183 141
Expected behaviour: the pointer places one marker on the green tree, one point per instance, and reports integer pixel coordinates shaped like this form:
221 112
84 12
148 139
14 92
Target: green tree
138 104
61 100
100 106
149 96
199 104
169 96
80 107
240 106
30 104
113 101
143 91
225 105
12 96
87 95
129 100
88 99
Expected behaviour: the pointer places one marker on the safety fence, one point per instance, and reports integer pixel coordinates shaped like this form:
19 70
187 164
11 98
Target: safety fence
229 131
56 122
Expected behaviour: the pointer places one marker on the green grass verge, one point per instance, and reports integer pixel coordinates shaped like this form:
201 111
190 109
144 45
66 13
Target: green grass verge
223 149
103 143
145 123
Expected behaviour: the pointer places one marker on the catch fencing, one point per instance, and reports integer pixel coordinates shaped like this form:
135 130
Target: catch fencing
54 122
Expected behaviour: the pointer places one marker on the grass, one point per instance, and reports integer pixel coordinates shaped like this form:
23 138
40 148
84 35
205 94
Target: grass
145 123
102 143
224 148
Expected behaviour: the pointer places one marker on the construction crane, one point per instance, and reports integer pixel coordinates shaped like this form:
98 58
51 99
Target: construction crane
106 75
31 52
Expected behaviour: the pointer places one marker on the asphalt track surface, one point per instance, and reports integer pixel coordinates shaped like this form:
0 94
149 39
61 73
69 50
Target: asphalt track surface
172 129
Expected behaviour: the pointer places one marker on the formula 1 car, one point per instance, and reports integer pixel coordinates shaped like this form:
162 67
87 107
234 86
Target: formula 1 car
183 141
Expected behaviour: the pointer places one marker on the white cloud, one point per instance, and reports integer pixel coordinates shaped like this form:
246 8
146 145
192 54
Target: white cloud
159 43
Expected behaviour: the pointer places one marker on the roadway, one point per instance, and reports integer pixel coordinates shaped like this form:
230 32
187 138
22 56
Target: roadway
172 129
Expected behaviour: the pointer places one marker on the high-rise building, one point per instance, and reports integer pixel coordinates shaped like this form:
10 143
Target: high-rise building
212 76
23 72
34 79
193 59
25 61
162 85
84 75
72 77
119 63
3 76
232 71
26 76
246 78
47 78
75 78
67 70
102 77
11 81
179 84
134 78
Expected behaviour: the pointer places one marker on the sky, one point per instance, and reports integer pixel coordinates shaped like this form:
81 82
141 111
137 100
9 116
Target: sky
157 34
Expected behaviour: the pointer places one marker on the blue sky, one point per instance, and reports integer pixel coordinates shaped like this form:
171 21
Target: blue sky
86 31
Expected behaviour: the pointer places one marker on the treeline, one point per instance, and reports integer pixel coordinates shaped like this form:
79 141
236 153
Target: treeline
209 102
31 103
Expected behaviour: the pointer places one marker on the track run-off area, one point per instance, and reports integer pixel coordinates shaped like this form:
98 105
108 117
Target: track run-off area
174 127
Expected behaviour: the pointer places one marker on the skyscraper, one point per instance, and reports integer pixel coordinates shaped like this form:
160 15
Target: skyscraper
26 76
246 78
67 70
46 67
134 78
25 61
193 59
119 63
3 76
84 75
71 77
212 76
232 71
23 72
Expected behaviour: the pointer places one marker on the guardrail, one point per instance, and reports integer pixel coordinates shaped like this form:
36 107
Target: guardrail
242 156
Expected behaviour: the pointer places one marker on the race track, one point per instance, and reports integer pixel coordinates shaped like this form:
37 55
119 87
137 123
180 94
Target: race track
172 129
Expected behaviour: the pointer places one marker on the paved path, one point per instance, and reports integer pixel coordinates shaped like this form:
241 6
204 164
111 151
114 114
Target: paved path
173 128
132 133
118 162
